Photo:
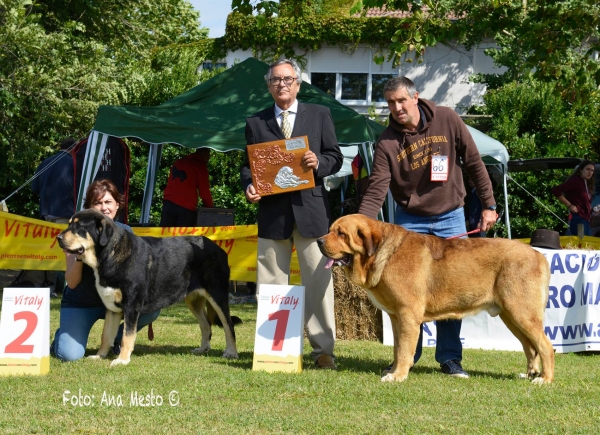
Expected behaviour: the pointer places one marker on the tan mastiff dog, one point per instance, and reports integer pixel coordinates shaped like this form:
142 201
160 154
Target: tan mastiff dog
417 278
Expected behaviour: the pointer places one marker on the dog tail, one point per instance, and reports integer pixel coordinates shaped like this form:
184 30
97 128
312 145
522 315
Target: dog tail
234 319
214 319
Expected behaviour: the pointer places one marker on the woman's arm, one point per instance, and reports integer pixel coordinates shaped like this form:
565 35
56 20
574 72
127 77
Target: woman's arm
74 269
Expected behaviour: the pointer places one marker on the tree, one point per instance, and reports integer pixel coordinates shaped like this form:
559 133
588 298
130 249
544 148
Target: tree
60 60
552 40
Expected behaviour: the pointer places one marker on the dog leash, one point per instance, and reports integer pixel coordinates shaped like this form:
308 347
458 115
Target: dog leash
464 234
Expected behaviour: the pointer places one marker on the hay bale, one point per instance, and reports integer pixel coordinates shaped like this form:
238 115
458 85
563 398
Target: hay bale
356 318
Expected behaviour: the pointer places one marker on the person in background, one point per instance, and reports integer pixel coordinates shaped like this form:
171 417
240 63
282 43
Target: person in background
81 305
188 180
576 194
297 218
429 197
54 182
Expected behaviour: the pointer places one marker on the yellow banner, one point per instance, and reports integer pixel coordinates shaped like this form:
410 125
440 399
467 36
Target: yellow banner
30 244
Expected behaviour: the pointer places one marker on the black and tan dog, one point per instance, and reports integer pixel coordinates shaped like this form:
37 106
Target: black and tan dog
142 274
417 278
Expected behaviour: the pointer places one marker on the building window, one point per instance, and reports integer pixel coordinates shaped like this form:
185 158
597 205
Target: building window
324 81
360 89
210 65
378 81
354 86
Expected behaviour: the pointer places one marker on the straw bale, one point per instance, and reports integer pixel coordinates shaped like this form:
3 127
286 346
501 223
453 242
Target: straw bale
356 318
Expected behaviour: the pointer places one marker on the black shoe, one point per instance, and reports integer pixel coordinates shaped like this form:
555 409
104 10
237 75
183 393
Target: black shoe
453 368
116 349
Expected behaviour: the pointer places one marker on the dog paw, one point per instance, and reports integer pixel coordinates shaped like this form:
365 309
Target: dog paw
96 357
539 381
231 355
119 362
393 378
201 350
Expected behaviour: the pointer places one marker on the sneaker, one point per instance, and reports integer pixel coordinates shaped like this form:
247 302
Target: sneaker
453 368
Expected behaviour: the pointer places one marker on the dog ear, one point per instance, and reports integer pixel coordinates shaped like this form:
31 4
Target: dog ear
370 238
106 232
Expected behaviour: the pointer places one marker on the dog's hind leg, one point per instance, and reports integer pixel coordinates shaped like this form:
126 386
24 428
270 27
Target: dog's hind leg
531 325
128 342
112 321
197 303
222 310
533 357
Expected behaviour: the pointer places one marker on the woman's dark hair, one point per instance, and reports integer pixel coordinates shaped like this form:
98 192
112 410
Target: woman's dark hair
98 189
591 182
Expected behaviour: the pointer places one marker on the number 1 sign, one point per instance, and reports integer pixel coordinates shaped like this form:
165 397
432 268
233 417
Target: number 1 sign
25 331
279 339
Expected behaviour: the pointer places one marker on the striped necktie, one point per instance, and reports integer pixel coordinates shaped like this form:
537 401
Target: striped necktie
286 128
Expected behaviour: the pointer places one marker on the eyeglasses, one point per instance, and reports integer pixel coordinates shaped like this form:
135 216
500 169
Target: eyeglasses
288 81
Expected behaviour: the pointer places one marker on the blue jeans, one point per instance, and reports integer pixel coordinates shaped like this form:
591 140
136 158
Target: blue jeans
452 223
70 339
576 219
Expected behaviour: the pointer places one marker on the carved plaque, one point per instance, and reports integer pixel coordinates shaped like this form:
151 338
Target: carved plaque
276 166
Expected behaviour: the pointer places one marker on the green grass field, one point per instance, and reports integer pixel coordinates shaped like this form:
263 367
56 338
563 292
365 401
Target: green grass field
167 390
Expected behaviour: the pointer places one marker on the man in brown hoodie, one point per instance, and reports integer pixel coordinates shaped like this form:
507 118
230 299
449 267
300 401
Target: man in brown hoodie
420 157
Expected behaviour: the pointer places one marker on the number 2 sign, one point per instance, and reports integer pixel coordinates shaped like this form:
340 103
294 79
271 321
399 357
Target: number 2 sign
25 331
279 339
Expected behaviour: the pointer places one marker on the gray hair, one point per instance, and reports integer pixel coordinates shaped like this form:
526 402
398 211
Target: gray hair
290 62
398 82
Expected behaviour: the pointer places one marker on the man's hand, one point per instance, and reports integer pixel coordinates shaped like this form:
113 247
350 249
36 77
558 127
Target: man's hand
309 159
251 194
488 219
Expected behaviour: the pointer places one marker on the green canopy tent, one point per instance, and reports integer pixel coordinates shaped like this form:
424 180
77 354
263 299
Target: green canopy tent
213 114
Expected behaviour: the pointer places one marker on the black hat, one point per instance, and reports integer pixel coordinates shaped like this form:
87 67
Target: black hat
545 239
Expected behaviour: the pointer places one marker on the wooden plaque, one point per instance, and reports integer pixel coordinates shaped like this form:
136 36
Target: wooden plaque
276 166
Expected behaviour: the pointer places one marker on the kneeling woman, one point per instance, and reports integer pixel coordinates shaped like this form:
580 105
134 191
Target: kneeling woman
81 305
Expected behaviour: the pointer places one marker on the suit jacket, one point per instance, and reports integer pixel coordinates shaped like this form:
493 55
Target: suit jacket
308 208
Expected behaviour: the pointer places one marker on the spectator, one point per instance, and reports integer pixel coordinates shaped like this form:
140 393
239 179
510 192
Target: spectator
81 305
188 180
300 217
429 198
576 194
54 182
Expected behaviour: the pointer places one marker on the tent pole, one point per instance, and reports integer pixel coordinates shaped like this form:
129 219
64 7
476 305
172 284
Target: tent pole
154 156
507 217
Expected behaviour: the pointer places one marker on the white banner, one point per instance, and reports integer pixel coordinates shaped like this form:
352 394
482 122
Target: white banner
572 321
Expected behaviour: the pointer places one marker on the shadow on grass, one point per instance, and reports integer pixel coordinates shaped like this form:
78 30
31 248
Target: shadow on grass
215 355
376 366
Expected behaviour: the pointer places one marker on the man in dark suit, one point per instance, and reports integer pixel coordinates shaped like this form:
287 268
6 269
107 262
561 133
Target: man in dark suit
299 217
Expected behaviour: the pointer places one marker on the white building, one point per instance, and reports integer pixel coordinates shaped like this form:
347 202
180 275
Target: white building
357 81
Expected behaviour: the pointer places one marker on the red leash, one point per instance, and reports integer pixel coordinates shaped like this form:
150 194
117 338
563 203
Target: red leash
465 234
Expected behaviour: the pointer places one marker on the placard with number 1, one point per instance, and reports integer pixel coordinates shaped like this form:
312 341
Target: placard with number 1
279 339
25 331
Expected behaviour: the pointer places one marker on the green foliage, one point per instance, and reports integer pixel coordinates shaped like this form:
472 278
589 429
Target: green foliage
60 60
533 121
553 40
278 37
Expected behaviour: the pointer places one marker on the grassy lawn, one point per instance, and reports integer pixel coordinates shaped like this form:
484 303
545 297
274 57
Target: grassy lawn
208 394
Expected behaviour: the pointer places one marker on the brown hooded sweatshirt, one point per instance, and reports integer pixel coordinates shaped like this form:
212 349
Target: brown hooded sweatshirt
402 163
